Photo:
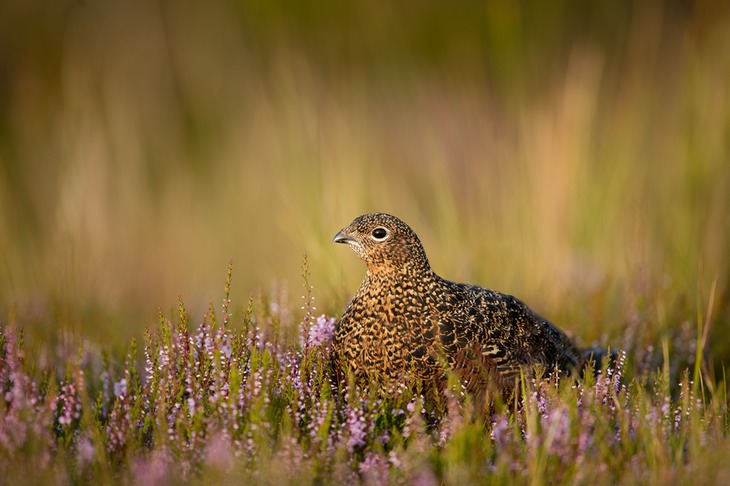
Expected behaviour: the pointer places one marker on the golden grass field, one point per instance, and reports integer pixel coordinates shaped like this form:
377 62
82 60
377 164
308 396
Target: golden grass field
575 155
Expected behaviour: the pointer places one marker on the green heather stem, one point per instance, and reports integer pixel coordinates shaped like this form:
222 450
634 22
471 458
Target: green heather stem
703 329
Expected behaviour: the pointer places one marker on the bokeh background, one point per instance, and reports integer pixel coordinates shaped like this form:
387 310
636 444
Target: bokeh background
573 153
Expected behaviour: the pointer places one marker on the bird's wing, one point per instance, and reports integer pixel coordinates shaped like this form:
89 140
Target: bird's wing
534 340
470 341
498 332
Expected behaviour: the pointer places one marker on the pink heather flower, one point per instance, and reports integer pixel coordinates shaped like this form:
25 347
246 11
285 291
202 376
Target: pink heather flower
356 427
557 422
70 405
374 468
585 439
85 450
321 332
394 460
500 432
219 453
423 478
451 422
414 421
120 387
153 470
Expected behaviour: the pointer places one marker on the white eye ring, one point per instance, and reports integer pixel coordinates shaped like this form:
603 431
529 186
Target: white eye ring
380 234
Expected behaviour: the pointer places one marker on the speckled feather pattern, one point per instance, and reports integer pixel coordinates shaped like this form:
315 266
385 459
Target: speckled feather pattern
406 321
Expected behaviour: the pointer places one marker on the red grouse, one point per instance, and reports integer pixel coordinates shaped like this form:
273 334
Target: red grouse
406 321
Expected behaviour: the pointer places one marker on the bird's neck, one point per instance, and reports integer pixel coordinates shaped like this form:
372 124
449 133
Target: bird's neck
385 276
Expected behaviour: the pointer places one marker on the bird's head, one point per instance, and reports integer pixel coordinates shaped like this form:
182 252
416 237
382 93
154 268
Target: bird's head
384 242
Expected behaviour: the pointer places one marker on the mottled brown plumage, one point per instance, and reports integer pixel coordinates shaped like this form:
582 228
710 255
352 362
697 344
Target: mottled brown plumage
406 321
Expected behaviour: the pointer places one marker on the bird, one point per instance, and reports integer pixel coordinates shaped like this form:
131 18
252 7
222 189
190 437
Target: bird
407 323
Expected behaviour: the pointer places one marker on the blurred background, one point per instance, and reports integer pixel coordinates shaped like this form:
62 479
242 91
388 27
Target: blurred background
573 153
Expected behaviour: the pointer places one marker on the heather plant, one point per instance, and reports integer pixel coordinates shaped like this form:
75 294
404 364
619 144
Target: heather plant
231 398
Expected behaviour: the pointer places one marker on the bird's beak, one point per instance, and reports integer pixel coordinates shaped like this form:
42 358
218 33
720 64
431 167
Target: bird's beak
341 237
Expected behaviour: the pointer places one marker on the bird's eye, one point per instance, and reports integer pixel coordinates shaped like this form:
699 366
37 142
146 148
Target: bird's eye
379 234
